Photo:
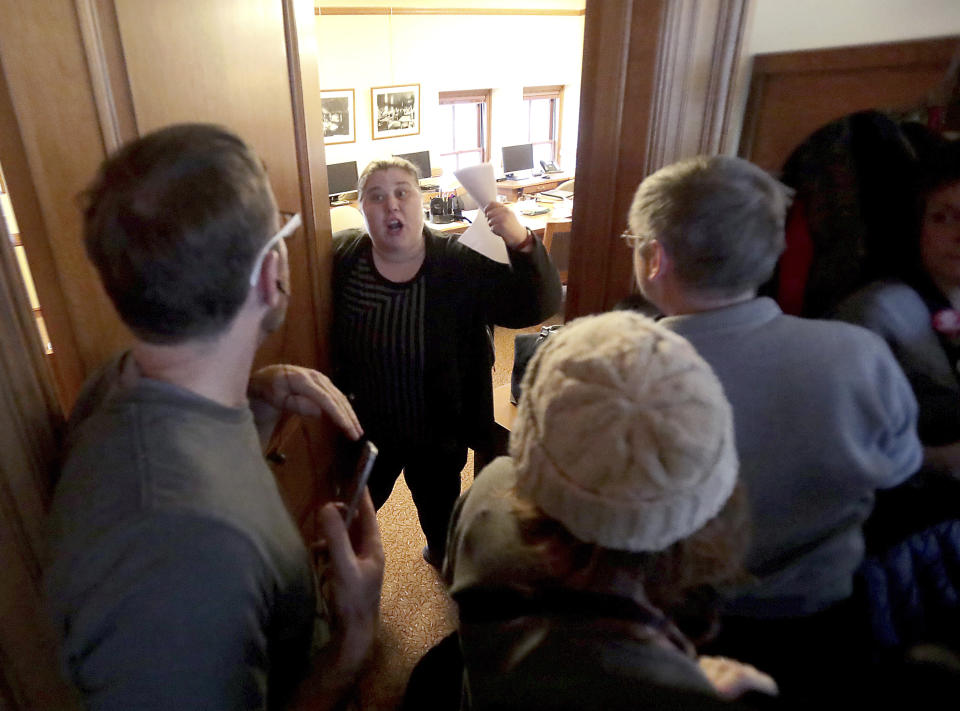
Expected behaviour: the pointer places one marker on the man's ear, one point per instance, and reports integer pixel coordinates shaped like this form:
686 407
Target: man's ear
657 261
269 285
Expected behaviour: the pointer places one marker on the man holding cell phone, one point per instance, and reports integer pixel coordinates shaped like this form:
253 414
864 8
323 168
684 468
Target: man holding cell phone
177 578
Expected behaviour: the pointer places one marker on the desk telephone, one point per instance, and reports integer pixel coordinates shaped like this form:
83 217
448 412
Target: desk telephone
549 166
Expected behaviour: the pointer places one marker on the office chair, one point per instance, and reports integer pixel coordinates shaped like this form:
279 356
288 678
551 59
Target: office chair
344 217
566 185
556 240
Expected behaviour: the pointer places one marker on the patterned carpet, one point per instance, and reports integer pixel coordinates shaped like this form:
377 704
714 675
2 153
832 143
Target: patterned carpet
416 612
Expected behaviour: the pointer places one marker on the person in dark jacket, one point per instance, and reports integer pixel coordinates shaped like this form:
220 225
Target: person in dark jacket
618 505
411 342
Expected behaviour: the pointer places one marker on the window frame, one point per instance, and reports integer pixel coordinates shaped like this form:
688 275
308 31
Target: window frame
555 93
472 96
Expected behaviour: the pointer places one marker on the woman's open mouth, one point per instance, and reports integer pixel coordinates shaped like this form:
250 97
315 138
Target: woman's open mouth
394 226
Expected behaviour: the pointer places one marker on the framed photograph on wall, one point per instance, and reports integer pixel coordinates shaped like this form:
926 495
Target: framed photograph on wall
395 110
339 116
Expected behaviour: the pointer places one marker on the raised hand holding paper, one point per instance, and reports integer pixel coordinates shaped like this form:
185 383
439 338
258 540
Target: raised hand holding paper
480 185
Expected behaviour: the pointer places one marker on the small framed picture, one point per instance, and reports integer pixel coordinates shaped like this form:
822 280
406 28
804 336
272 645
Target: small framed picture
339 116
395 110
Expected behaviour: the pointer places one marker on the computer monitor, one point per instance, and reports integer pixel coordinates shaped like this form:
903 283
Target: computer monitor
517 158
421 159
341 178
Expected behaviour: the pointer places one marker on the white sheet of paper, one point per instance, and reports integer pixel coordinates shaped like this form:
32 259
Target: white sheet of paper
480 185
478 181
480 238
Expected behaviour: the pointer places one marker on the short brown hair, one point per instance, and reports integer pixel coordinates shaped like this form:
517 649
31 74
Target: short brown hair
712 556
173 222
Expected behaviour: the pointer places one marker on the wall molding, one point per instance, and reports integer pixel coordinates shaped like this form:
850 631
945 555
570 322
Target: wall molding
100 36
331 11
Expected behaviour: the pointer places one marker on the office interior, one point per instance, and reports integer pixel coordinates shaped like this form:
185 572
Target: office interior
58 120
493 98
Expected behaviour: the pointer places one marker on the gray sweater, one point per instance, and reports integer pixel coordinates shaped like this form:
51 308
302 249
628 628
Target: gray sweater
898 314
178 579
540 659
824 417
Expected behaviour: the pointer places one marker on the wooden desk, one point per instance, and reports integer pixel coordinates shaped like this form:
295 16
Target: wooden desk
537 223
514 189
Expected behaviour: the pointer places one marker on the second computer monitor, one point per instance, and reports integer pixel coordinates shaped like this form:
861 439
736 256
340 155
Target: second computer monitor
517 158
341 177
420 159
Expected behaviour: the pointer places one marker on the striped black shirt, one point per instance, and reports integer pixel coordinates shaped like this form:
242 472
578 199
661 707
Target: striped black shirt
381 327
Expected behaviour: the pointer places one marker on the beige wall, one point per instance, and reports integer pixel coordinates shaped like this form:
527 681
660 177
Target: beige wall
788 25
447 53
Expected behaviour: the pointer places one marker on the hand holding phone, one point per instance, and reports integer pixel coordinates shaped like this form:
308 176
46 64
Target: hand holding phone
352 490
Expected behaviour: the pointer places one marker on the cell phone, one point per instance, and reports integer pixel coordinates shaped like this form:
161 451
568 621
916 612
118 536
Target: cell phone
353 488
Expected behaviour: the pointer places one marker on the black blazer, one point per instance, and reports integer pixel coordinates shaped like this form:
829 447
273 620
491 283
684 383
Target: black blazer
466 294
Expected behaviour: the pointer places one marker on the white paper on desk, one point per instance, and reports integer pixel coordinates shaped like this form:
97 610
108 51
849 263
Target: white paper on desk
480 185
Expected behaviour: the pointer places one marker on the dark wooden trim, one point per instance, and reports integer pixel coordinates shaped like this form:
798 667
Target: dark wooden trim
792 94
330 11
30 436
311 172
621 40
885 54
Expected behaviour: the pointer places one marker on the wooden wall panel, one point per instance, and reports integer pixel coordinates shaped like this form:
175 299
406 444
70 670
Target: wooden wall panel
225 62
56 125
620 48
251 66
30 426
794 93
67 366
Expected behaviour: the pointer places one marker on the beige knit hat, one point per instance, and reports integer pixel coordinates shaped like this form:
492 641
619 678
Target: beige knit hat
623 434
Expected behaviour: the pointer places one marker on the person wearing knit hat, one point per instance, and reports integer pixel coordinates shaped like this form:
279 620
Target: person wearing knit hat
625 436
618 504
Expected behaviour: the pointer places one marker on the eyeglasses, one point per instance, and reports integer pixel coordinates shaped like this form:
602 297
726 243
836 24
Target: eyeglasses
635 241
288 229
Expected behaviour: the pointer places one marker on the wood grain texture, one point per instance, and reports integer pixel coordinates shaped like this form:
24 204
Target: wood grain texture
54 120
621 41
545 12
792 94
30 428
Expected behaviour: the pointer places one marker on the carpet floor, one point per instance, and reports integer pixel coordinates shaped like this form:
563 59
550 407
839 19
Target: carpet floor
415 611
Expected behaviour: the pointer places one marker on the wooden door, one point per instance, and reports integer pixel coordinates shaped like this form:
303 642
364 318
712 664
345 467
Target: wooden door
643 104
83 76
30 426
78 78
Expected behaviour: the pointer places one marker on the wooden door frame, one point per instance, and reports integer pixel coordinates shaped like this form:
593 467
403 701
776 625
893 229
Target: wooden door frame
30 429
639 110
